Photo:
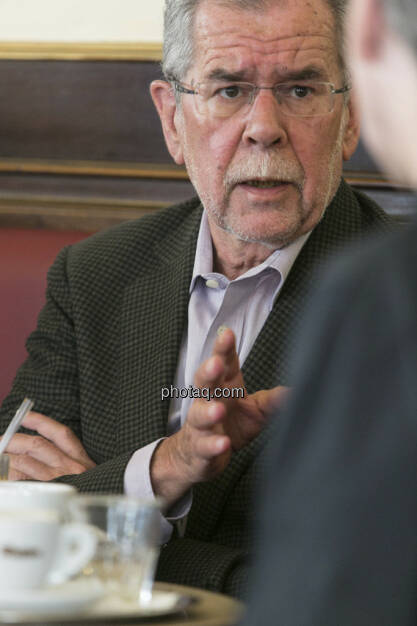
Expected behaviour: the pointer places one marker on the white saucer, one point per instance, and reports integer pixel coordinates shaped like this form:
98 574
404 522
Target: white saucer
75 596
84 598
161 603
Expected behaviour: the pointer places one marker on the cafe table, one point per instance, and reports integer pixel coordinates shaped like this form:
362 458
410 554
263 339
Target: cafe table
205 608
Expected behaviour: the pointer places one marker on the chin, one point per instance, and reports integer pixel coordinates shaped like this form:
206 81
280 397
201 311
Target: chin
271 238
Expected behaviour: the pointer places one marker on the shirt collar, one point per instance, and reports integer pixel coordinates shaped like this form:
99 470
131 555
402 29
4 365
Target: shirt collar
280 260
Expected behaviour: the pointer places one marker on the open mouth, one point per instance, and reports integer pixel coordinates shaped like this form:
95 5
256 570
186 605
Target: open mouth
264 184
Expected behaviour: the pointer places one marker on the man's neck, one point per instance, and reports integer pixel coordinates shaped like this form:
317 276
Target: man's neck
232 256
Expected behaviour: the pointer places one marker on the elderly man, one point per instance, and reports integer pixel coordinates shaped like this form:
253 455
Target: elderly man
256 105
340 518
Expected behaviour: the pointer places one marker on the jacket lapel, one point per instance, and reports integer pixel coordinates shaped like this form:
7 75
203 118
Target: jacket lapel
153 319
268 363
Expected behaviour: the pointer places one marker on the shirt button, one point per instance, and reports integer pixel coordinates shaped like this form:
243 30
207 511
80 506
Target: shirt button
221 329
213 284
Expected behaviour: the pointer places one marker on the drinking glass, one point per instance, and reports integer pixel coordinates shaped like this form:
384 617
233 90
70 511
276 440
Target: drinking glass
128 532
4 467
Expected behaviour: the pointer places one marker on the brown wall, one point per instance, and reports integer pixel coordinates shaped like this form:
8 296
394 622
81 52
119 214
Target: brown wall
81 147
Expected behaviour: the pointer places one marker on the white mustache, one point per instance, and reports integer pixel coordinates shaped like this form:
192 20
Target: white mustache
267 167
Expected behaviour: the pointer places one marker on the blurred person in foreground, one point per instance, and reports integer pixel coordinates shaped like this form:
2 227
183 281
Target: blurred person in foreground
256 105
339 526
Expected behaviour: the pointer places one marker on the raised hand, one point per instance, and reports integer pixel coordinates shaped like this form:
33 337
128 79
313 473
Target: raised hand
201 449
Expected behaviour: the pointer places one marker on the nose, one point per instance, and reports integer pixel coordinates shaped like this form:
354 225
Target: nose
264 125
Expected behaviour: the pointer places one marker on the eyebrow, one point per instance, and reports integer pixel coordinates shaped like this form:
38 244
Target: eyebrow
311 72
222 74
308 73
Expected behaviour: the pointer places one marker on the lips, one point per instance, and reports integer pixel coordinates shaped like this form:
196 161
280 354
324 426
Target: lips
264 184
263 190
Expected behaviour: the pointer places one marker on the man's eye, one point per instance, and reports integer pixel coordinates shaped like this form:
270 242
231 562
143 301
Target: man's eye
301 91
231 92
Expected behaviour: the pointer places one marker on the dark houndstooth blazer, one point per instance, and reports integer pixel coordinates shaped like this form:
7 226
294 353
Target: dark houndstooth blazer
108 339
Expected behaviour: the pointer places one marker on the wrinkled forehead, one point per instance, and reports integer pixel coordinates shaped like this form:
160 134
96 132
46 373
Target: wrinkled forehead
283 34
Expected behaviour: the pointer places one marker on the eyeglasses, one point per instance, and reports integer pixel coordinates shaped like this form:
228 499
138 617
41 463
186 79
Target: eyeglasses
303 99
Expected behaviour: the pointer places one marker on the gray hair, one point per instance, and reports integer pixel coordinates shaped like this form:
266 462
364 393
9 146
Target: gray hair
402 16
178 32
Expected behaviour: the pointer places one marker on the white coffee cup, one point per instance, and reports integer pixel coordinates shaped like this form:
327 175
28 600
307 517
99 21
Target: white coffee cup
25 494
37 550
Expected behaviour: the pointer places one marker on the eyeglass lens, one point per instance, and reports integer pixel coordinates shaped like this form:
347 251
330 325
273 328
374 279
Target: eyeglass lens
304 100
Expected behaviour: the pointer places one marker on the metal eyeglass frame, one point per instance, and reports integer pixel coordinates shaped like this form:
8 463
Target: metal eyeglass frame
181 88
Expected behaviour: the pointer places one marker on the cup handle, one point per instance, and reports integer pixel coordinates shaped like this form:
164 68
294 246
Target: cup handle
76 547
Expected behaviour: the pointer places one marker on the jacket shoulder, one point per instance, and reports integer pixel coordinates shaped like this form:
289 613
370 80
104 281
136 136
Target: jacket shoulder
112 258
133 243
147 230
371 213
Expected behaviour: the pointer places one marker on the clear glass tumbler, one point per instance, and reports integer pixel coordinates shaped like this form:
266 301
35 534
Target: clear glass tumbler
4 467
128 542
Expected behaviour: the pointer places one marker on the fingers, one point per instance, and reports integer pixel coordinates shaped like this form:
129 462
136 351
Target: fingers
55 452
60 435
24 466
271 400
204 415
222 366
210 373
40 450
225 348
16 475
206 439
212 446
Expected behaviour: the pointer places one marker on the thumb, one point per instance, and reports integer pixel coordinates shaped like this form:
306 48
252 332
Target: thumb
271 400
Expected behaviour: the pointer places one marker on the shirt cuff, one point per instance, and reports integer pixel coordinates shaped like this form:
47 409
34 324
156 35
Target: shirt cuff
137 482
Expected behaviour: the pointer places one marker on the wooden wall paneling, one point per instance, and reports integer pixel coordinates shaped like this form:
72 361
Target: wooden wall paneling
83 202
80 51
71 110
81 146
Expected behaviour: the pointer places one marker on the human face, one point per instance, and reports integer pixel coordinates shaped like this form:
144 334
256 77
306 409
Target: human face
385 72
302 156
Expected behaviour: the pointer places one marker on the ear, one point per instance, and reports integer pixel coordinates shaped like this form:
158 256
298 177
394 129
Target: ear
163 97
372 29
352 128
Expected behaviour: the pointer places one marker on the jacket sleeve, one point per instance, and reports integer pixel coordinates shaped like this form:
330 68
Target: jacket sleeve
212 566
50 376
216 551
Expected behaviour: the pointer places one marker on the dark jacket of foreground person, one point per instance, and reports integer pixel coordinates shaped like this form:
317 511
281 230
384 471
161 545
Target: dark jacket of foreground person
339 522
